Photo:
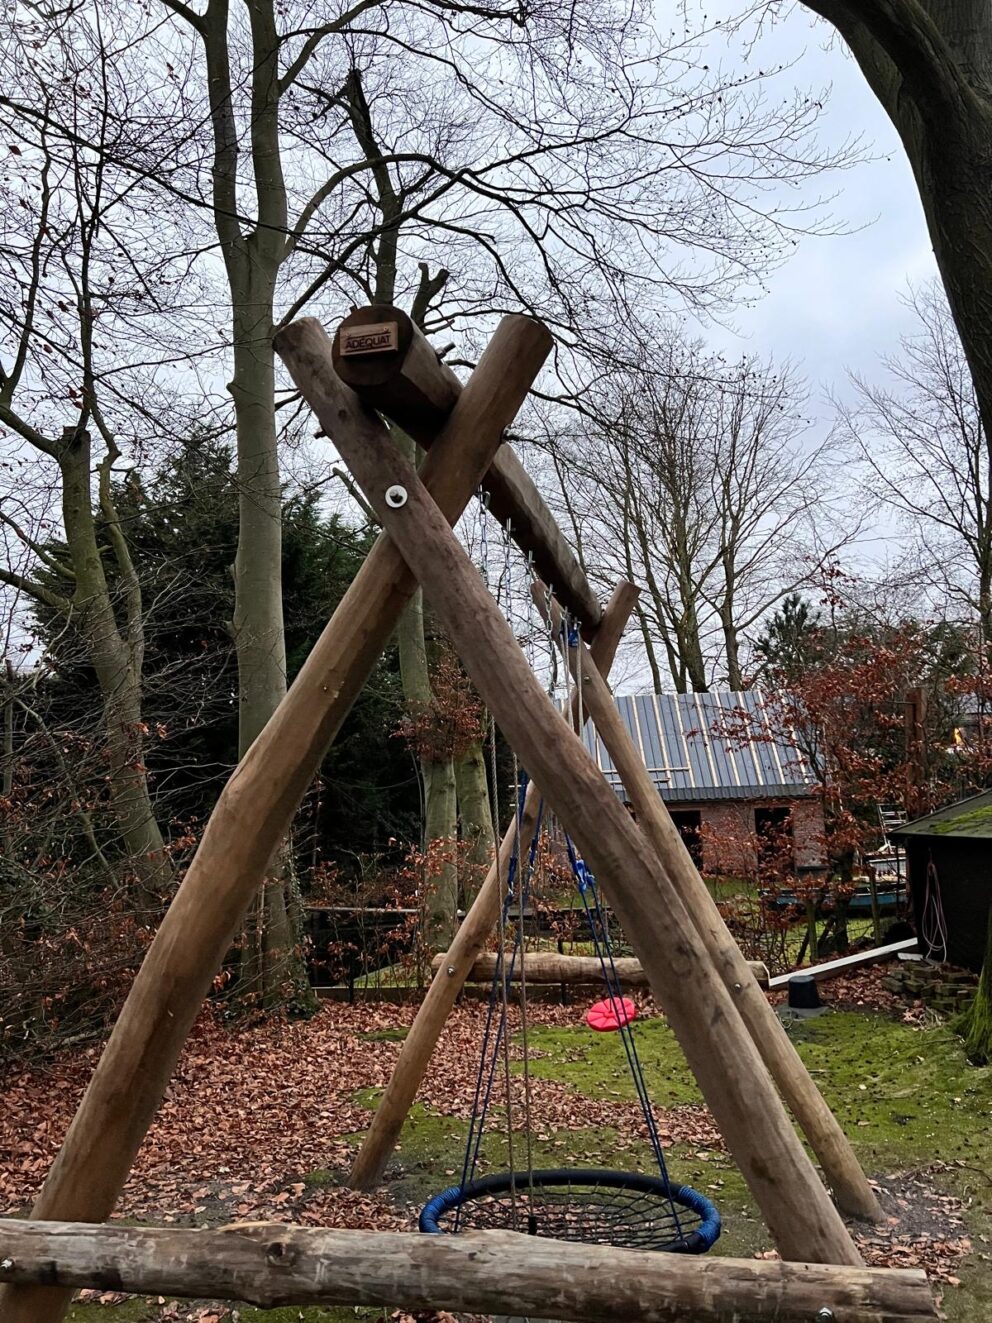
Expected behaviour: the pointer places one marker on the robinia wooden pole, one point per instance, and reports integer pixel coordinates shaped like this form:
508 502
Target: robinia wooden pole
817 1121
726 1064
551 967
457 962
476 1272
253 814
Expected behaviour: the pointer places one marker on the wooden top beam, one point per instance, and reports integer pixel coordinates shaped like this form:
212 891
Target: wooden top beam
390 364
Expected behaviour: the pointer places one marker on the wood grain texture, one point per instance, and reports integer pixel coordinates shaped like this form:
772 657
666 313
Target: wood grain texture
432 1014
481 1272
550 967
726 1064
256 807
674 863
415 390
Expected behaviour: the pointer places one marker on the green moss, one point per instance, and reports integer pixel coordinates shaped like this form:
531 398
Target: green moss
966 822
595 1065
131 1311
431 1150
384 1035
143 1311
905 1096
322 1178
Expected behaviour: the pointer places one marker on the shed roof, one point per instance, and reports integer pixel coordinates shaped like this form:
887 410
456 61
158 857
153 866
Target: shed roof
968 817
714 746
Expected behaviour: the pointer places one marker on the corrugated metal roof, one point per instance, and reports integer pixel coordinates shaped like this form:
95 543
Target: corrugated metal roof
968 817
719 745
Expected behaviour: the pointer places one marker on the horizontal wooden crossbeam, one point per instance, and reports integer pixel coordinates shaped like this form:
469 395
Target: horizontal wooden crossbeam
385 358
550 967
481 1272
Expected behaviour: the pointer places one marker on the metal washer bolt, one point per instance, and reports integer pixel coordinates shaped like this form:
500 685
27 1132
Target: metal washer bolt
396 497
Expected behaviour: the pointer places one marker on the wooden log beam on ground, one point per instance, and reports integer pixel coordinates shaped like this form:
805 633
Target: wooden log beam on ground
551 967
733 1079
391 365
471 937
254 812
675 870
832 968
477 1272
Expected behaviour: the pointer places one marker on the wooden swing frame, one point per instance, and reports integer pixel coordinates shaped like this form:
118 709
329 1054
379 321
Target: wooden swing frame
732 1040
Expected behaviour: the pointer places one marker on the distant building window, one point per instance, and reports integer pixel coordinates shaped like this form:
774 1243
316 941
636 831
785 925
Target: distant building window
773 828
689 823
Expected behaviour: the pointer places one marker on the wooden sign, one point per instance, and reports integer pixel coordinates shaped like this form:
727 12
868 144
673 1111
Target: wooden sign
372 338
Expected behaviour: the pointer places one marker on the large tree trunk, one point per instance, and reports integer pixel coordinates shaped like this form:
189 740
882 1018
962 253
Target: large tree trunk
117 662
272 966
931 68
272 969
437 776
437 773
475 819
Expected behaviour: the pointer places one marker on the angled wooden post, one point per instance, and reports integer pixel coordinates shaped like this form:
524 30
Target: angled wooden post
818 1123
456 964
254 812
733 1079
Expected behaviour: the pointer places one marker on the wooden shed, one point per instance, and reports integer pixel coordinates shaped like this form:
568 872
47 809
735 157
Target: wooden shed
949 858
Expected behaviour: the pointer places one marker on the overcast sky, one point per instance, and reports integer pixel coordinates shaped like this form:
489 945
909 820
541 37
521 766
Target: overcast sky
836 304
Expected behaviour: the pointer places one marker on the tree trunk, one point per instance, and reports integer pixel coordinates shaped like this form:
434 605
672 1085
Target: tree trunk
117 663
975 1025
7 758
475 819
731 643
437 775
931 69
272 971
440 840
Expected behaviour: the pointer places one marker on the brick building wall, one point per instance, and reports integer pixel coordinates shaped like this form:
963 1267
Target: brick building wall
727 834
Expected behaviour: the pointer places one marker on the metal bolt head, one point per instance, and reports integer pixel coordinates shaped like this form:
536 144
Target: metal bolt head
451 971
825 1315
6 1265
396 496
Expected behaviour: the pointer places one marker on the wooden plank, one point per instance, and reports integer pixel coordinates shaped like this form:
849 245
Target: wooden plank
255 809
471 937
675 871
831 968
552 967
477 1272
415 390
724 1060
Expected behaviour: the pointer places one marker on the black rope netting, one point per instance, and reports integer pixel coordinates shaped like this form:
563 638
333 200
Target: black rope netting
626 1210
